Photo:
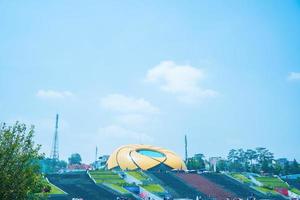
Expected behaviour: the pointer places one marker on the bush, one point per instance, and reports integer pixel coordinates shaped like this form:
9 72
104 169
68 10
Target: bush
20 176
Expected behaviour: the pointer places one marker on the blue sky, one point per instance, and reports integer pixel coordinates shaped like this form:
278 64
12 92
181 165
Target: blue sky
227 74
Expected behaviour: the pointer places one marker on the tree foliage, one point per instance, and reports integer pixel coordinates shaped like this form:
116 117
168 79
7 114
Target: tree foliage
196 162
258 160
75 159
20 176
222 165
49 166
294 167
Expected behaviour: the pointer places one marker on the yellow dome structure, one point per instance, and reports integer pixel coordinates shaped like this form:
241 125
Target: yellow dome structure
145 157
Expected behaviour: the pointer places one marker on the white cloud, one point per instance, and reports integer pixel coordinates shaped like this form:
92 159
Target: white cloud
116 132
125 104
181 80
130 117
294 76
52 94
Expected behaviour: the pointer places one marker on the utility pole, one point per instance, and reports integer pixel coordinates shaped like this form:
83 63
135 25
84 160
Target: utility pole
54 152
96 154
186 148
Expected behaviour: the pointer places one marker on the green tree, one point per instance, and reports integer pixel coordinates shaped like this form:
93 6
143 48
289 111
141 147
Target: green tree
236 160
286 168
49 165
277 169
232 155
20 177
265 158
251 156
222 165
200 158
294 168
75 159
243 159
193 164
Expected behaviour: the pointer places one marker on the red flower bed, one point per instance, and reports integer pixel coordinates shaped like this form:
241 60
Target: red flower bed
283 191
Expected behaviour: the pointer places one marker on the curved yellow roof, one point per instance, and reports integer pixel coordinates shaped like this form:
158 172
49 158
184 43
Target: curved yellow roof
138 156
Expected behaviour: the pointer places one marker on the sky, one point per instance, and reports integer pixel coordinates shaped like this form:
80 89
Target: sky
226 74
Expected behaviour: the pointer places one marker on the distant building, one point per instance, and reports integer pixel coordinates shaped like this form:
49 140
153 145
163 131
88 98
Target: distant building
292 176
199 156
101 162
78 167
282 162
213 162
207 165
144 157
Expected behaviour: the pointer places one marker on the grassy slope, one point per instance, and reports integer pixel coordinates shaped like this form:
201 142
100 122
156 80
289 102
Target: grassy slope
266 190
115 182
272 182
155 188
110 179
106 177
296 191
240 177
118 188
55 190
138 175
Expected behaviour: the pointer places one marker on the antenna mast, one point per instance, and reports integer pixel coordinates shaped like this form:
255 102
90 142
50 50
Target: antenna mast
54 153
96 154
185 148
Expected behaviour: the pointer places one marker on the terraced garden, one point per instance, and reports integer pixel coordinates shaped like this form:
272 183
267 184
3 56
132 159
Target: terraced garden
115 182
79 185
138 175
109 179
240 177
296 191
272 182
117 187
154 188
148 184
266 190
